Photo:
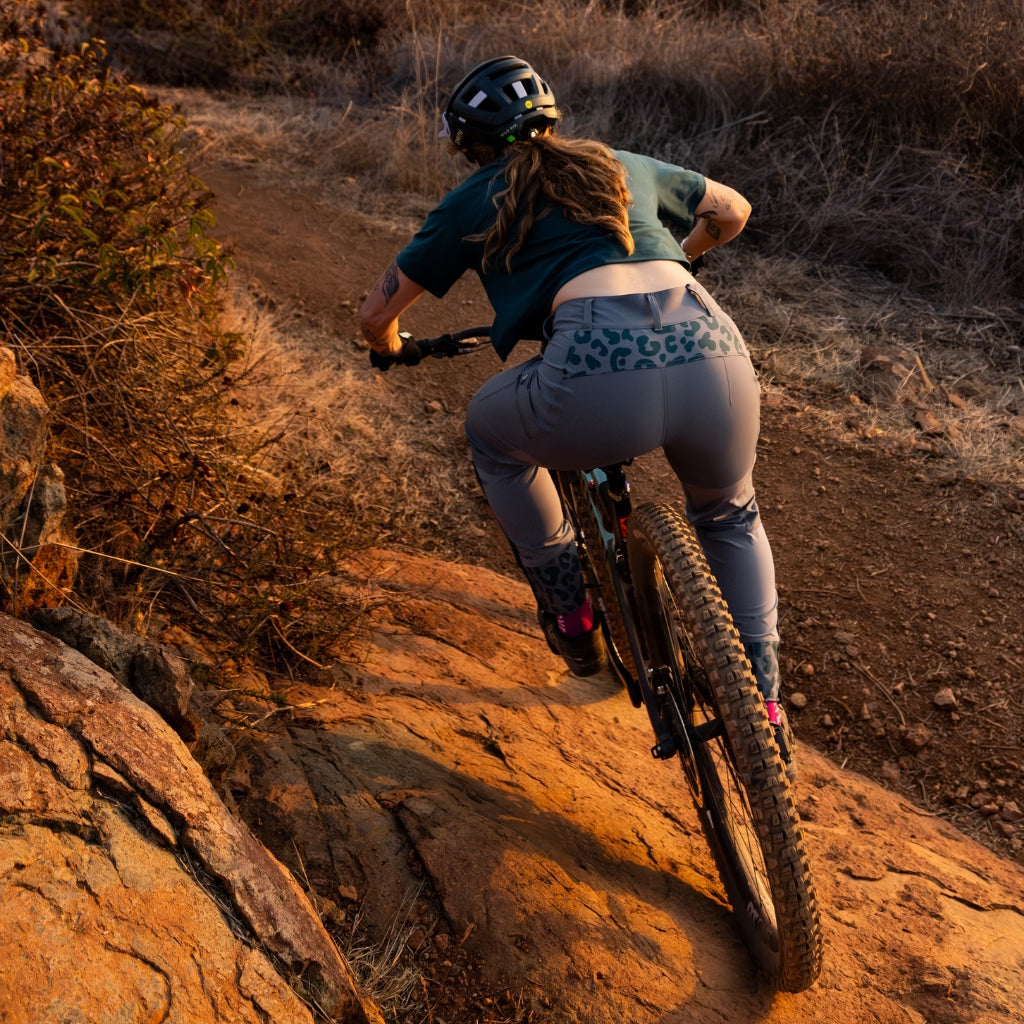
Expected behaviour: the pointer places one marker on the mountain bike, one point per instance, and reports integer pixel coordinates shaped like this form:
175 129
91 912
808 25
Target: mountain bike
675 649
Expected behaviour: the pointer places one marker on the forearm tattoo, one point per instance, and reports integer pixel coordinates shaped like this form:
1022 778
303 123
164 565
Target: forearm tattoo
710 225
389 282
721 206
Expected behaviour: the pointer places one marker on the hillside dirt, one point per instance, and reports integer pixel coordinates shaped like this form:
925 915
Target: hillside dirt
901 591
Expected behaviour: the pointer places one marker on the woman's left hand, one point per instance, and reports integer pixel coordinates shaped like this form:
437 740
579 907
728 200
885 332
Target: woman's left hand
378 316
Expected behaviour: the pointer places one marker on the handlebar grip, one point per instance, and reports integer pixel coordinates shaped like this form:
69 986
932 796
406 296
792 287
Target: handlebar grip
411 353
409 356
379 362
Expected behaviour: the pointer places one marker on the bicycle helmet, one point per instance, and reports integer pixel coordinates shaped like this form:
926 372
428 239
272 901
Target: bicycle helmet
499 102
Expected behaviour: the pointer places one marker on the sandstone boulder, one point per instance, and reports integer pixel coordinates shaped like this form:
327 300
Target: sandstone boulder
151 671
127 890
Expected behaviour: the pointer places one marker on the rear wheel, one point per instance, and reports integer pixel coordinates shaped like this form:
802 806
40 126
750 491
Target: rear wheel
737 778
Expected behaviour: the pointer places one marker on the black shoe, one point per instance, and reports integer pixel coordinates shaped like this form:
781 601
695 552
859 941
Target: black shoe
585 654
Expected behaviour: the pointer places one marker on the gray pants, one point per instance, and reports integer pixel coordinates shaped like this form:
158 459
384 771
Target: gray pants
621 376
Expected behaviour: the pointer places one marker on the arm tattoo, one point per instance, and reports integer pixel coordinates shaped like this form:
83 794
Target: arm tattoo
710 226
710 218
389 282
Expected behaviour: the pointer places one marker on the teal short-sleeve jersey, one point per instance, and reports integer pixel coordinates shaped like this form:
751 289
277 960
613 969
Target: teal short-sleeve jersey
557 249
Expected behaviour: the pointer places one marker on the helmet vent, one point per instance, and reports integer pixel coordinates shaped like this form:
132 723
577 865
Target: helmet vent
481 101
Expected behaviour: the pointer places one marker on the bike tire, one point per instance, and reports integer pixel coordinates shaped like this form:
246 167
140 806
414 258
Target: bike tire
589 531
743 798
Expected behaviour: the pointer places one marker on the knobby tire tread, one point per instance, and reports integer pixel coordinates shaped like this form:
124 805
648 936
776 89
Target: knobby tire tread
789 952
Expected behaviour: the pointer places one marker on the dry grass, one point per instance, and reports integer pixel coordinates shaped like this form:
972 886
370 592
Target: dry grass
807 331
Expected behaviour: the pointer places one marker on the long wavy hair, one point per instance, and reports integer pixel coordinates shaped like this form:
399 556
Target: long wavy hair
579 175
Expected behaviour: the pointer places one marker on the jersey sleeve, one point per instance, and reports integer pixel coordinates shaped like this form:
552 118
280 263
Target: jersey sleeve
677 191
435 258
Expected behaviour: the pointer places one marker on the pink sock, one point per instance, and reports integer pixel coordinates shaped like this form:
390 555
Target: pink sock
579 621
774 714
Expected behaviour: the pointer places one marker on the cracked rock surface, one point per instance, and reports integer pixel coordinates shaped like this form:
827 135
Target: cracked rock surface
128 892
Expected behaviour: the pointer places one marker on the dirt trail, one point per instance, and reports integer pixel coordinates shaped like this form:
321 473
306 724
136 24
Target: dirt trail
550 851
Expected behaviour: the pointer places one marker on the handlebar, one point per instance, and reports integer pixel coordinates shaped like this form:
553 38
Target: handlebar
444 346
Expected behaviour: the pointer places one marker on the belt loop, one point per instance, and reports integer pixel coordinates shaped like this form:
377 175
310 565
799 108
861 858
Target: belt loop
655 310
588 313
697 297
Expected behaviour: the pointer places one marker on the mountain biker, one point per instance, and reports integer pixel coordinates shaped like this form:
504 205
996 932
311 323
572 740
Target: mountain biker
569 240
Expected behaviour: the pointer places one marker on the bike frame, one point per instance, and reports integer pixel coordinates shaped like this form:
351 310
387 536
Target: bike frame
607 491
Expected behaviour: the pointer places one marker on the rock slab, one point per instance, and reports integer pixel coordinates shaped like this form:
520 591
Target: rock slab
116 853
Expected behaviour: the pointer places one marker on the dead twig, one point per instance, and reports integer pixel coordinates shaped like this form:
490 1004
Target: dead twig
881 689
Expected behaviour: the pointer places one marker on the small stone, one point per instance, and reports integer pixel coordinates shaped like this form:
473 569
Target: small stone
916 738
798 700
945 698
1011 811
928 423
981 799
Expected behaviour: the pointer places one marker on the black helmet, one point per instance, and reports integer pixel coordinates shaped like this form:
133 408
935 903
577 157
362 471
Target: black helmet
499 102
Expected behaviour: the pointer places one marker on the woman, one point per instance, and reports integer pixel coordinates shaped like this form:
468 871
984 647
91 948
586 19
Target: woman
568 239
